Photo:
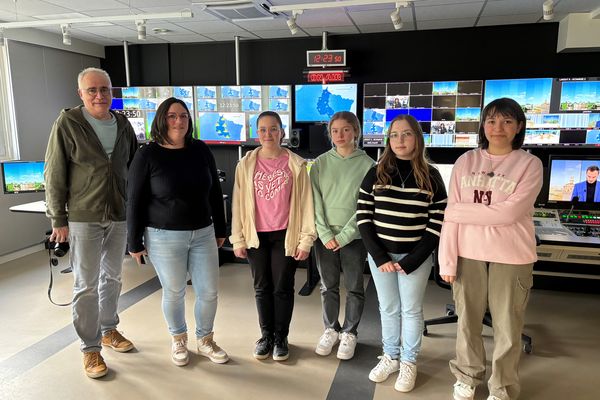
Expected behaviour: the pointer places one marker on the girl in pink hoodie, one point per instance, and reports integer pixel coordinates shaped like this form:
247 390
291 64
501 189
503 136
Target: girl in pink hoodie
487 248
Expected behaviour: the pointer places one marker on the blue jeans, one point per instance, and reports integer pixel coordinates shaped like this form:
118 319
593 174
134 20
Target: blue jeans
97 251
174 254
401 307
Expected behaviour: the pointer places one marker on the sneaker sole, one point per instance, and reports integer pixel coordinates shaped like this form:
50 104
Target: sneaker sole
96 375
372 379
403 389
181 363
345 356
261 356
119 349
281 358
323 352
215 360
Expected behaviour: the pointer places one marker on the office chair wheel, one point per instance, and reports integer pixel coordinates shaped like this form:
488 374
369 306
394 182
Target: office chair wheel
527 348
449 313
425 332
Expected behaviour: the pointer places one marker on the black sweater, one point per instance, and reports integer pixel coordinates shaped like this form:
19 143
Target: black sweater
173 189
401 219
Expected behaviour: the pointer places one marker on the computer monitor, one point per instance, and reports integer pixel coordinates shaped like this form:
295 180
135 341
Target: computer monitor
448 111
139 105
23 176
573 182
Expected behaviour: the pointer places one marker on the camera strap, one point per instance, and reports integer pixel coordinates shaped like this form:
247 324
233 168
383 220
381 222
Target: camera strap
51 283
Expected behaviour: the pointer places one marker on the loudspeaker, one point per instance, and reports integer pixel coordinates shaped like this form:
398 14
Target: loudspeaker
295 138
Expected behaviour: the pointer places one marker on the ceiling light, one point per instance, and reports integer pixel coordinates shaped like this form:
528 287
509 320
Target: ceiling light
396 19
161 31
291 22
548 10
141 28
66 32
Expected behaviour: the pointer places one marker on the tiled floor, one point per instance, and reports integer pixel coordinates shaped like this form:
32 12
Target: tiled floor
40 358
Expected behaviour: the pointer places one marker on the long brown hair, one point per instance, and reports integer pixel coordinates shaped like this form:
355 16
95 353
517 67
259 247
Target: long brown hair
386 166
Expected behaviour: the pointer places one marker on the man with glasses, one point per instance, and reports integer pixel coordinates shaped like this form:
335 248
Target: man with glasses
87 158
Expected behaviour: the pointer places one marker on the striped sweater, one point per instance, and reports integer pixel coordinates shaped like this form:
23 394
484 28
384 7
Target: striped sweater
401 218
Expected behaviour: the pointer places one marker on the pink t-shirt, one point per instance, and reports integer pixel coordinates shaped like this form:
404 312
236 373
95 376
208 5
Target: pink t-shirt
272 191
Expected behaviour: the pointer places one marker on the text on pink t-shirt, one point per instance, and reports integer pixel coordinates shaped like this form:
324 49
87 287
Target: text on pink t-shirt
272 191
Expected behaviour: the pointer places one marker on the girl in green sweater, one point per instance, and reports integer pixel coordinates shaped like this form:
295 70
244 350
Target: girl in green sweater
336 177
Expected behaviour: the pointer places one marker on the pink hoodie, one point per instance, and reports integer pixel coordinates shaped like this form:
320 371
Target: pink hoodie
489 218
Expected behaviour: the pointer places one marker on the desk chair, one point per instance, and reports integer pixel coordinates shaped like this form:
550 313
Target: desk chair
451 316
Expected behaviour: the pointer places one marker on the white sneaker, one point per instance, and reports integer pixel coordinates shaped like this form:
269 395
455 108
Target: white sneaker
407 377
208 348
179 351
347 346
492 397
462 391
329 339
384 368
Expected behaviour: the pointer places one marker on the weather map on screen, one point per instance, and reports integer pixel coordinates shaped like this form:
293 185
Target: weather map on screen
227 114
318 103
222 126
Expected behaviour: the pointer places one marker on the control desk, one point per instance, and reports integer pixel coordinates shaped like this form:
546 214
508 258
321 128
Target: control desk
571 236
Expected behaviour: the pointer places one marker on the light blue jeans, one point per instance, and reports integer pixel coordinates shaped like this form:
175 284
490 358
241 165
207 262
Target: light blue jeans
174 254
401 307
97 251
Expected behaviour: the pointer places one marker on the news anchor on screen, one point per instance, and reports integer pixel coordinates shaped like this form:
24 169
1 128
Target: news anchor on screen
589 190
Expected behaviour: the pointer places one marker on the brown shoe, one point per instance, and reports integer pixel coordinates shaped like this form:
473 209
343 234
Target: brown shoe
94 365
116 341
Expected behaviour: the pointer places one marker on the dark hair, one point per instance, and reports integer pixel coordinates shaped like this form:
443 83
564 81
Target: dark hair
160 127
507 108
386 166
351 119
274 115
592 168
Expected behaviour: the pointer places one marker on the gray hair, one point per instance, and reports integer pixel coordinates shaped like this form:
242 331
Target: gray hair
88 70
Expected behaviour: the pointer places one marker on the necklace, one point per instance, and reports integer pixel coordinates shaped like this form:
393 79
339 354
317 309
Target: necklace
405 179
491 174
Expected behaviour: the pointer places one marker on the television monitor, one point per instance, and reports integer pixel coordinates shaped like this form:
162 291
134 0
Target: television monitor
450 108
318 103
559 111
573 182
23 176
139 104
226 114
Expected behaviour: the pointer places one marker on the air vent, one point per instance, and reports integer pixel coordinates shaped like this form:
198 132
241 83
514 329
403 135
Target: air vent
239 10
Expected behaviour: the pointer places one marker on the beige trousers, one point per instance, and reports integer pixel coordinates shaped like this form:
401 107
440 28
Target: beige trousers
504 290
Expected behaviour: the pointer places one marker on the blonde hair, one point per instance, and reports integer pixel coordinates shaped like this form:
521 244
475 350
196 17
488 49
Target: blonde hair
386 166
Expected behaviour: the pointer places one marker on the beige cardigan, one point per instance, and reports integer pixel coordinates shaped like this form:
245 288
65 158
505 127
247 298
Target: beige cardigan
301 230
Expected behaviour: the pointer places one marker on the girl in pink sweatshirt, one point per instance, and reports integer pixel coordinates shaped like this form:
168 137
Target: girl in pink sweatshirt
487 248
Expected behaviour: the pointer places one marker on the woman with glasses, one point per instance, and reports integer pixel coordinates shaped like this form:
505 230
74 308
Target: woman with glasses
273 226
399 214
335 177
175 214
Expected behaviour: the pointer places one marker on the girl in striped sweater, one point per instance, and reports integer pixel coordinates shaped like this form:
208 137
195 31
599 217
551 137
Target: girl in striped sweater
399 214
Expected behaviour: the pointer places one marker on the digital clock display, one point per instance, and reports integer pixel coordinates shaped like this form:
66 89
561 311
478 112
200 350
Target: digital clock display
326 58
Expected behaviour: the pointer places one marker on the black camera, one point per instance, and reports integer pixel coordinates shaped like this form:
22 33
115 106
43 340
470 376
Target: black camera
60 249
